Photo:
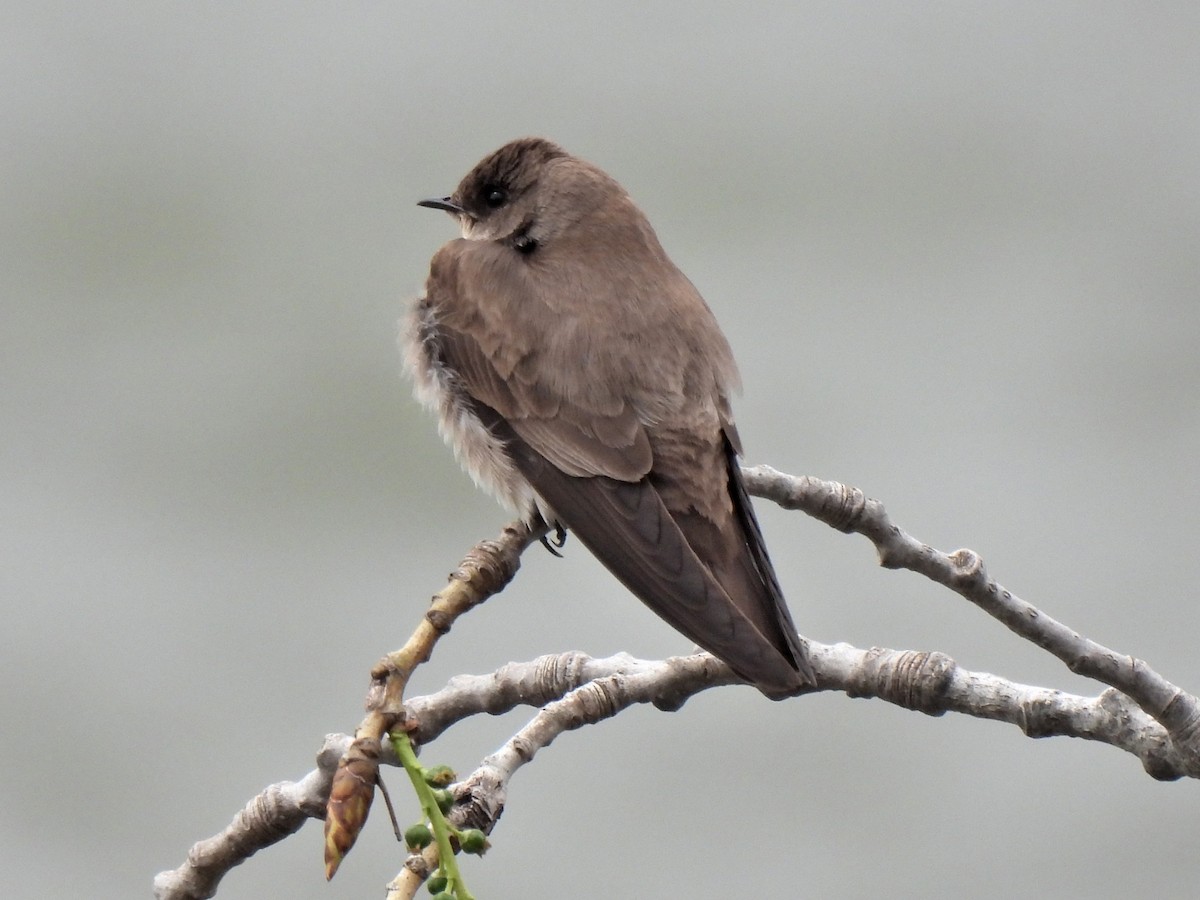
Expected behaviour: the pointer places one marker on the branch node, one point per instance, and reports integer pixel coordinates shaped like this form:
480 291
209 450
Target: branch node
490 565
1161 763
440 620
559 673
913 679
677 692
595 701
891 549
1181 718
968 568
1043 715
842 507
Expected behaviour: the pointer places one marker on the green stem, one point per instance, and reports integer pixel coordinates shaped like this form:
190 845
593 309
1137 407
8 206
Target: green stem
437 822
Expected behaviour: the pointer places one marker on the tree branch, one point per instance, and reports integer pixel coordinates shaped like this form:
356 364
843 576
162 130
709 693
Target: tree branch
1142 713
280 810
963 572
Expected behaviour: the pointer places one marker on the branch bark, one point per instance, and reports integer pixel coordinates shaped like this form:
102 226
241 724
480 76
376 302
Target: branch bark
1141 713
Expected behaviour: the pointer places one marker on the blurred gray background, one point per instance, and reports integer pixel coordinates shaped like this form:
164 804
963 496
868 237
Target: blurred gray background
954 247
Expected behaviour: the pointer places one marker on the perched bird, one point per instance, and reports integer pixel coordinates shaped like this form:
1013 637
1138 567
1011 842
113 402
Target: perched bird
580 377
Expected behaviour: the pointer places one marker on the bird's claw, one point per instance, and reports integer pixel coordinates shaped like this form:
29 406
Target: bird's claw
554 543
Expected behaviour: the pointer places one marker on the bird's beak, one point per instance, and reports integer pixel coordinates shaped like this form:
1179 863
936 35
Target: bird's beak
445 203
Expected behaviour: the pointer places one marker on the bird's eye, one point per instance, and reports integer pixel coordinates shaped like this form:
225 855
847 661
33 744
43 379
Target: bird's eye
495 197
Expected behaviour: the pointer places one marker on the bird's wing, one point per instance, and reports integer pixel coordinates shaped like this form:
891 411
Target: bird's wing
578 440
590 458
756 567
629 529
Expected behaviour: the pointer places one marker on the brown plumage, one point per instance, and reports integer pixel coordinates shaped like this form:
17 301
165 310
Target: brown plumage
579 376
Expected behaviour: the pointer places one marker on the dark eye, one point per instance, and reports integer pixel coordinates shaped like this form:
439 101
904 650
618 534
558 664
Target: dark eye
495 196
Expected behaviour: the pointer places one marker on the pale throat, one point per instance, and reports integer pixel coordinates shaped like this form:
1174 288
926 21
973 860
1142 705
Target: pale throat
471 229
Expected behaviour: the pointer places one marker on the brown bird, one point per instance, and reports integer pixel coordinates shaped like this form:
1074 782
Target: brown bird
580 377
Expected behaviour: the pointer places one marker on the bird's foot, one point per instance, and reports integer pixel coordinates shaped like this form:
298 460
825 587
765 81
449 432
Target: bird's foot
554 543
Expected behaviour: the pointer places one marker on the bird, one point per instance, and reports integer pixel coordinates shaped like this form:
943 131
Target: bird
582 380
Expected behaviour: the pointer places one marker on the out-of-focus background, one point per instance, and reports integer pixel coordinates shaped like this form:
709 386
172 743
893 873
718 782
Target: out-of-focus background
955 250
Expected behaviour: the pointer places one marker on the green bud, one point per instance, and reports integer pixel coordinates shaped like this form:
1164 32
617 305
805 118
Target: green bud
418 836
445 800
444 895
473 841
437 884
439 776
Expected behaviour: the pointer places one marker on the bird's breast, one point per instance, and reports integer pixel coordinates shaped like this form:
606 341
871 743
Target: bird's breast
438 388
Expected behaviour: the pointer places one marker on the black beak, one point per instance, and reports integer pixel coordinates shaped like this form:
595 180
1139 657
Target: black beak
442 203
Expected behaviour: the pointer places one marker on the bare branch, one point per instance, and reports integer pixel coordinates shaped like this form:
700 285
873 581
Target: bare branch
931 683
963 572
280 810
927 682
486 569
1143 714
573 690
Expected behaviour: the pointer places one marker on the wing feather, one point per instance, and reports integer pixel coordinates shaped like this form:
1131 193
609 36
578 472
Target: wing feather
528 372
629 529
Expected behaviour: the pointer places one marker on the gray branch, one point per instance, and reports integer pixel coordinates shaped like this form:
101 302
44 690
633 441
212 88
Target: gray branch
1141 713
847 509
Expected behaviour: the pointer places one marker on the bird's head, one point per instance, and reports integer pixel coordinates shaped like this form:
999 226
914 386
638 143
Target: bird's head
525 193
